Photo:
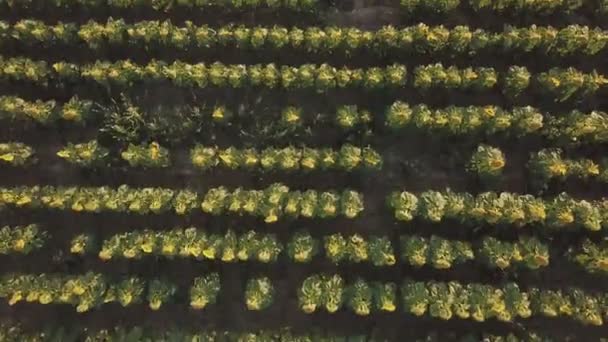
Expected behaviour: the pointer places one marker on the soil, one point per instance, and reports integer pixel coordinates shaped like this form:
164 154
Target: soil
414 161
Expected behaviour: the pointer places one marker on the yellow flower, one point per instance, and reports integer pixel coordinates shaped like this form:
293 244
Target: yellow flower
198 160
497 164
558 168
155 304
146 247
19 245
228 255
301 256
554 82
154 151
9 157
309 308
209 253
388 306
489 111
105 255
593 169
565 217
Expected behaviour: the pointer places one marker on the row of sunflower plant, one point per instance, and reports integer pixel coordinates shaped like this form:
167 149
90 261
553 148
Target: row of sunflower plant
274 202
478 302
91 290
558 83
420 38
570 127
561 212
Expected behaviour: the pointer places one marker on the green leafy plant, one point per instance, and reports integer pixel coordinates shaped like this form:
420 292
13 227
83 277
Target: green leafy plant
148 156
488 162
22 239
259 293
87 154
16 154
204 291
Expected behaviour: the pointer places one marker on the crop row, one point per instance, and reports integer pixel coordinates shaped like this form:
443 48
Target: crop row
302 247
21 239
445 301
165 5
347 158
80 111
338 248
460 40
271 203
561 212
91 290
593 257
408 6
541 7
550 164
15 333
92 154
330 292
488 162
265 248
16 154
569 127
561 84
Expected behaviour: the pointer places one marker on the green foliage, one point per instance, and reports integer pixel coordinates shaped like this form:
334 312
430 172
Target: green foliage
487 162
592 256
528 252
472 120
548 164
204 291
516 81
500 208
16 154
16 108
302 247
310 294
420 38
160 292
360 297
436 76
480 302
270 203
436 252
147 156
11 332
168 5
192 243
82 244
87 154
579 127
563 84
433 6
533 6
348 158
259 293
85 292
355 248
125 121
125 74
332 293
21 239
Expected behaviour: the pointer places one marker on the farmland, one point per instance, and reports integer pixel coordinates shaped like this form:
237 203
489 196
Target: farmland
303 170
